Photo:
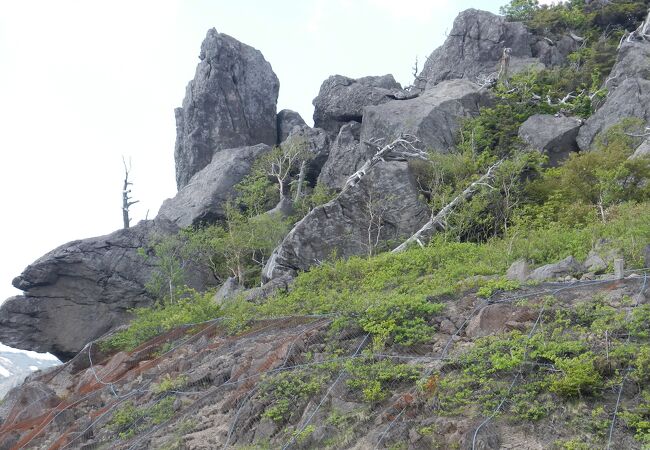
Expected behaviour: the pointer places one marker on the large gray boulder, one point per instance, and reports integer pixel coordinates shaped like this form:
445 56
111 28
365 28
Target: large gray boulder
642 151
204 198
554 52
230 103
315 141
475 46
81 290
342 99
434 117
628 96
287 120
346 155
555 136
568 267
385 201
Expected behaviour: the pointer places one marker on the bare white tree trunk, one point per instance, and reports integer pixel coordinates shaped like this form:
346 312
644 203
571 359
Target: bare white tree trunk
438 222
401 148
126 197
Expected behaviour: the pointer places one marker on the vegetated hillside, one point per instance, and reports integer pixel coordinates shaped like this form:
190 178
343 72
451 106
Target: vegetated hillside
462 263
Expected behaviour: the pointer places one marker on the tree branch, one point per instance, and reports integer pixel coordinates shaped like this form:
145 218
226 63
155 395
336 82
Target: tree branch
438 222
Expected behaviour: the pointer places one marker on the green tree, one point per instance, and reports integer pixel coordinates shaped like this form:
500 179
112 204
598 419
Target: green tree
519 10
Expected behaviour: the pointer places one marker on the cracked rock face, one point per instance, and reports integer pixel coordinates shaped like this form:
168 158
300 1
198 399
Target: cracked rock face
554 136
475 46
287 120
204 198
347 225
230 103
81 290
433 116
346 156
629 93
342 99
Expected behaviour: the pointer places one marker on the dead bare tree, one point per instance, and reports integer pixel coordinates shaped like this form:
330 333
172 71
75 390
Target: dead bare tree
126 194
400 149
438 222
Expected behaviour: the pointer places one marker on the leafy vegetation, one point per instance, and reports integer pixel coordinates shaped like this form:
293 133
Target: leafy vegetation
130 420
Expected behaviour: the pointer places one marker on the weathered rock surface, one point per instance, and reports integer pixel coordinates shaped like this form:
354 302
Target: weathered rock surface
553 52
287 119
433 117
204 198
231 102
642 150
498 318
317 142
341 226
567 267
342 99
81 290
518 271
628 96
554 136
475 46
346 155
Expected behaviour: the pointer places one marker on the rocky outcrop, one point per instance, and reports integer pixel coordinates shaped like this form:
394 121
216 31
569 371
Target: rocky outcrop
568 267
433 117
497 318
317 142
342 99
554 52
475 46
81 290
231 102
383 206
346 155
628 93
555 136
642 150
204 198
287 120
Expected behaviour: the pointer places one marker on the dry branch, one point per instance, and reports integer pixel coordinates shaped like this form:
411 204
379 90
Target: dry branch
402 148
438 222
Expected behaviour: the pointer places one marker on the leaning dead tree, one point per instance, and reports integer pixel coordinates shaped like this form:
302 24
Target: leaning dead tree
126 194
439 221
401 149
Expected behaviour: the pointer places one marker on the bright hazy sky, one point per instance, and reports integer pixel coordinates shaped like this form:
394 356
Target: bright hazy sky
84 82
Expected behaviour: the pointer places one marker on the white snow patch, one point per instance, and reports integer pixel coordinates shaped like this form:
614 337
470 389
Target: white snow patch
33 368
35 355
4 372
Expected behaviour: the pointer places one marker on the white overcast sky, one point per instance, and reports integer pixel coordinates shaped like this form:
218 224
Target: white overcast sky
84 82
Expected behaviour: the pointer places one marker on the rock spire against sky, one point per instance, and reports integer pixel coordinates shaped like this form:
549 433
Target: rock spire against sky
83 83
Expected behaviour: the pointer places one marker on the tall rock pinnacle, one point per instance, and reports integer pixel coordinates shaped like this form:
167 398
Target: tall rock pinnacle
231 102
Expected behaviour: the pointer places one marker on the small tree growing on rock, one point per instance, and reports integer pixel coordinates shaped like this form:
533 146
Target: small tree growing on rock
283 161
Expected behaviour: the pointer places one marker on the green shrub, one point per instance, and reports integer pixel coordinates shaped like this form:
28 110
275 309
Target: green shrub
373 378
149 322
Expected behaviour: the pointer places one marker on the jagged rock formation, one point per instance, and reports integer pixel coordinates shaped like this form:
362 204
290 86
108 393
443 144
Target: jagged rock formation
642 150
203 199
317 142
433 117
629 92
81 290
231 102
475 46
342 99
384 205
346 156
287 120
555 136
